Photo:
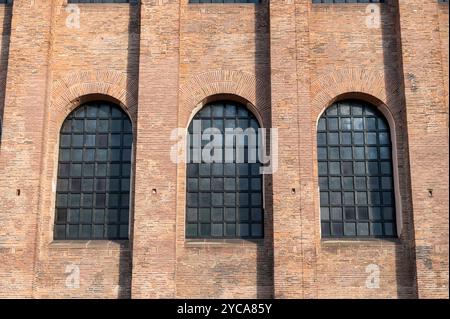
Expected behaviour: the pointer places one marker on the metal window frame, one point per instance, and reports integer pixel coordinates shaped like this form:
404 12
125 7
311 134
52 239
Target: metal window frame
193 172
90 174
326 208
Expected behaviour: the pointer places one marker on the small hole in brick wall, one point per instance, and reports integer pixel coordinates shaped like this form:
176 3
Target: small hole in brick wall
430 193
293 191
154 191
18 192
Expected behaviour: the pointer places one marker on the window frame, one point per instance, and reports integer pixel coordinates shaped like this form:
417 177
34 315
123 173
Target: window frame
127 140
382 112
224 237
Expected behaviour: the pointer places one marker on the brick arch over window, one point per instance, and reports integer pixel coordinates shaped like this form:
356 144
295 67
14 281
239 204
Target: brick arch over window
68 91
67 94
224 82
367 86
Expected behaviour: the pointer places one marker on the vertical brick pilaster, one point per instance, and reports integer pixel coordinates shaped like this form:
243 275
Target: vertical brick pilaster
427 119
155 196
20 157
290 98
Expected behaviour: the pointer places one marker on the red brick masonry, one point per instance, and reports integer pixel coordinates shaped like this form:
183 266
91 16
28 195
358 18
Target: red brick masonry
161 61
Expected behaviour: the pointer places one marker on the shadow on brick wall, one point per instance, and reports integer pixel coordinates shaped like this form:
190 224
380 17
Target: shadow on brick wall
4 53
264 269
126 256
394 77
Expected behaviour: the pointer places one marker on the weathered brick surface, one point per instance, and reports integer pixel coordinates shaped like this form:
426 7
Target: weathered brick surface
161 61
427 120
5 30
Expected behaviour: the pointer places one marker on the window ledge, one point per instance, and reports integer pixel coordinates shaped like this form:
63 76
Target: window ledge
361 241
90 244
223 242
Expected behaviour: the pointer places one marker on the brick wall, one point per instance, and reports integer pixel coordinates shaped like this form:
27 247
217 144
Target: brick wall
98 58
288 60
5 29
223 50
427 120
21 148
346 40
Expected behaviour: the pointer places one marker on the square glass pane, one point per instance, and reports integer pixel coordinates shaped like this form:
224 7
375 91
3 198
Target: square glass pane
325 213
384 138
347 182
244 230
336 213
191 215
334 168
217 214
346 153
376 229
204 215
360 183
346 124
332 124
349 229
61 200
349 198
229 199
191 230
361 198
335 183
217 199
322 153
375 213
217 230
363 229
358 123
388 213
347 168
333 138
256 214
337 229
349 213
325 229
217 184
333 153
257 230
363 213
205 230
389 229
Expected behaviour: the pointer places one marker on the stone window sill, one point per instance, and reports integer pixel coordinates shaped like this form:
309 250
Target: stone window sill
90 244
222 243
361 242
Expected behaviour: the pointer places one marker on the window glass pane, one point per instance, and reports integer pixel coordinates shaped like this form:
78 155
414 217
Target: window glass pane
350 213
346 138
332 124
86 156
355 172
225 187
324 213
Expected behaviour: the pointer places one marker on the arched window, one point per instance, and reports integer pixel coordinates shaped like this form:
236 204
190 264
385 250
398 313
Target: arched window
224 195
355 172
93 187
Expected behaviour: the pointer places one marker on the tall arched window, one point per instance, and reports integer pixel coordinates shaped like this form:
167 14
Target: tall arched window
93 187
355 172
224 196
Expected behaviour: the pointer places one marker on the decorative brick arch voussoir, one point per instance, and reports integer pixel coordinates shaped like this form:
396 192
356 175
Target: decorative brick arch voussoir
67 91
233 82
327 88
